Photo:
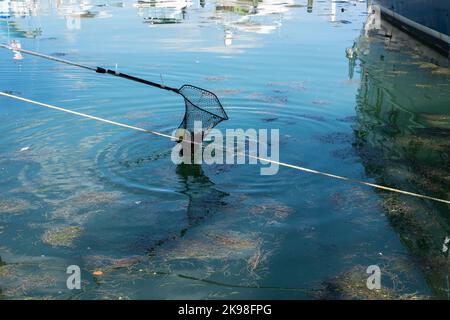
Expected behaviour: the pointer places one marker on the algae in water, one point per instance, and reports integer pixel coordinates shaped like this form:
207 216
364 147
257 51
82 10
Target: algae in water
63 236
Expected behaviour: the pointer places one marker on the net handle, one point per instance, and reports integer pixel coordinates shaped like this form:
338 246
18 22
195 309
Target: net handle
96 69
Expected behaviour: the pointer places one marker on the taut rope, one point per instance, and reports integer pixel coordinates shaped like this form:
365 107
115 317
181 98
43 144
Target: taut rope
283 164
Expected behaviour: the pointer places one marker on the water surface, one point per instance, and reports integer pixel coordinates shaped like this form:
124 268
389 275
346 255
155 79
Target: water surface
346 99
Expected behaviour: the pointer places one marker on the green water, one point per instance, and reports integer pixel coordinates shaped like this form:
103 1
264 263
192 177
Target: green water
78 192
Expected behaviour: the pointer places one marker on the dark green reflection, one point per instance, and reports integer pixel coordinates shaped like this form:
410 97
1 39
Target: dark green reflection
402 136
310 6
204 199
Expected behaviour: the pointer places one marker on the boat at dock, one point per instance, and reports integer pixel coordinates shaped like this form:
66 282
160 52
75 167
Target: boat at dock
427 21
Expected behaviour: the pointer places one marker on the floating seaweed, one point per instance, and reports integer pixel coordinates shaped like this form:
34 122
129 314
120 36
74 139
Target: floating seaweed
227 92
352 285
20 279
14 205
277 99
349 82
231 254
6 270
442 71
295 6
256 261
270 119
216 78
321 102
90 200
62 237
94 198
213 247
107 264
273 209
295 85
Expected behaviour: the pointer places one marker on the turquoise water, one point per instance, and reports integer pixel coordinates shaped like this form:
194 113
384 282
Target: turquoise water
346 100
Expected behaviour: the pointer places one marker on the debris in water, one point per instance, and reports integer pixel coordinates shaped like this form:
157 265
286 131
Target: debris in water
63 236
277 99
352 285
213 247
295 85
313 117
58 54
275 209
441 121
14 206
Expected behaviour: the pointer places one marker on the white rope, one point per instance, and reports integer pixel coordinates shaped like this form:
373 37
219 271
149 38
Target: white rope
283 164
87 116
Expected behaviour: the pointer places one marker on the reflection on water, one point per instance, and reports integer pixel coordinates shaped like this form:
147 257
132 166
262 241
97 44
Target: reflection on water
163 12
402 135
252 16
18 8
249 15
204 199
14 30
233 16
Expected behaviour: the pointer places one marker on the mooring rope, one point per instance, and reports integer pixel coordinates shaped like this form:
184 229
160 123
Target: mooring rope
283 164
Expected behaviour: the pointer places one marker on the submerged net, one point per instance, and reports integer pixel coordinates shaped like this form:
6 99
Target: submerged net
203 107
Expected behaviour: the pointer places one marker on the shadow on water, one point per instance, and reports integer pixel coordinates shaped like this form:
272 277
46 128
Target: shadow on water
402 136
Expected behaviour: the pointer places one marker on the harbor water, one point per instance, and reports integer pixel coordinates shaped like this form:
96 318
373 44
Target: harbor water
364 102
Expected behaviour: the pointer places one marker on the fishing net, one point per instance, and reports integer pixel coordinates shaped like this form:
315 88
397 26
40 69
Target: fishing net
203 107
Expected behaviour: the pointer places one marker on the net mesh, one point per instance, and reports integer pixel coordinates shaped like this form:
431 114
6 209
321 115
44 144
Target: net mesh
201 106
